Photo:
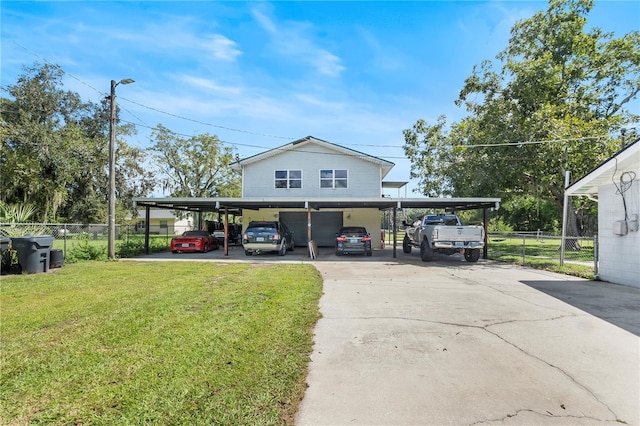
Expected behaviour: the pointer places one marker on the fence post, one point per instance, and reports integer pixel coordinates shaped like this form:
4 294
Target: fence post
524 237
596 254
64 241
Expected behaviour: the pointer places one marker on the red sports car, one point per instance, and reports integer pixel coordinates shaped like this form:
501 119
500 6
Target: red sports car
192 241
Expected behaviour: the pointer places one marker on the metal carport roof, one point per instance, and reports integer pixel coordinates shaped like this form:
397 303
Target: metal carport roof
383 203
236 205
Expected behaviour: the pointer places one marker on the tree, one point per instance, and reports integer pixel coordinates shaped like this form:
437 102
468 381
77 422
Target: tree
53 153
195 167
556 104
36 167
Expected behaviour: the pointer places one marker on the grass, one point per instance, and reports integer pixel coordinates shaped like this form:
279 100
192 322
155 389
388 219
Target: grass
157 343
540 253
573 269
544 254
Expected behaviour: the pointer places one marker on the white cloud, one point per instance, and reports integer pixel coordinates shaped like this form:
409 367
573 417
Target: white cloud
264 21
221 47
210 85
290 40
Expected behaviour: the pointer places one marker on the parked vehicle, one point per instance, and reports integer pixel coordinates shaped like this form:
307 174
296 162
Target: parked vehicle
353 239
217 229
443 234
194 241
267 236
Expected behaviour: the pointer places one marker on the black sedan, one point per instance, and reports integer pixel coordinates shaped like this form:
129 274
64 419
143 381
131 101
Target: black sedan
353 239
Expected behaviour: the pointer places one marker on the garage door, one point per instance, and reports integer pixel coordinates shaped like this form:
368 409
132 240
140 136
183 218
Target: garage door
324 226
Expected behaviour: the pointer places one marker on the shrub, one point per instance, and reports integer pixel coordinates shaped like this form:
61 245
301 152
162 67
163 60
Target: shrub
134 246
86 250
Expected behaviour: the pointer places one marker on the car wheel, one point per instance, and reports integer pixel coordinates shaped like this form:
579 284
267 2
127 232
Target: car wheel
247 253
426 252
292 246
406 244
205 248
472 255
283 249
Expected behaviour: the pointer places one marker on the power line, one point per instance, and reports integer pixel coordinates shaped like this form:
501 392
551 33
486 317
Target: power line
581 139
277 136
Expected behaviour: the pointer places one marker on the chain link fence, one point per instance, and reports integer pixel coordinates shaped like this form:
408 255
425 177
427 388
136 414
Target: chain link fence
70 235
535 247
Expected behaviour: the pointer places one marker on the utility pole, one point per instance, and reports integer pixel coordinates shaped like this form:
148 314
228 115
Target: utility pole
111 219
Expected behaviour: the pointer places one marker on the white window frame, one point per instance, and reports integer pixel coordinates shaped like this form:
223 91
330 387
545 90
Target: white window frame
288 179
333 179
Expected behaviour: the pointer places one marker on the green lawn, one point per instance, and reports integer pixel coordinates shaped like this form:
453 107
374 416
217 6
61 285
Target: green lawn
544 254
157 343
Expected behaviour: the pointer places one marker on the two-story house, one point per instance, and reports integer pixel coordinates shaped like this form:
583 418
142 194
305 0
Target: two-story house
315 187
310 168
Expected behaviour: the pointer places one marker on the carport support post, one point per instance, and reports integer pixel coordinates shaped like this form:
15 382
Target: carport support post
226 231
308 224
147 226
393 229
485 249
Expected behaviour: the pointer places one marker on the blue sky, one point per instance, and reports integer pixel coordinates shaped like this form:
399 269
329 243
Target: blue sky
262 74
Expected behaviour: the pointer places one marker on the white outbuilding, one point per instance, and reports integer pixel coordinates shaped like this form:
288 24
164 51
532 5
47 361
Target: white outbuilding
615 185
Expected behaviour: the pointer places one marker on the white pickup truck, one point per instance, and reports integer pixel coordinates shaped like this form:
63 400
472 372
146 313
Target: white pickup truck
443 234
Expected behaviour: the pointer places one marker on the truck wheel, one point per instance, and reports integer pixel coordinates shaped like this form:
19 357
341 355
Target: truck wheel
283 249
472 255
406 244
426 252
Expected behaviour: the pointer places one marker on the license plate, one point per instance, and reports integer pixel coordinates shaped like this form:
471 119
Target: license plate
260 239
184 245
458 243
353 240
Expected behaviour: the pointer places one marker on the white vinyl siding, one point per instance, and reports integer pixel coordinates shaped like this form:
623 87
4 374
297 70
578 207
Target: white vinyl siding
258 179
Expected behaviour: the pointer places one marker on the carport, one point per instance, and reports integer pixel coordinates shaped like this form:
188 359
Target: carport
235 206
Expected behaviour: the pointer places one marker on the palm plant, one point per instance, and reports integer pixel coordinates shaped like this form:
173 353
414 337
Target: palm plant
13 219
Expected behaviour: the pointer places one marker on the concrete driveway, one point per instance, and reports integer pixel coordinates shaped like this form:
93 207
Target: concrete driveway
448 342
403 342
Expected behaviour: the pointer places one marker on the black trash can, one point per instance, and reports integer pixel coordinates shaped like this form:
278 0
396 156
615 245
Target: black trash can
56 259
4 243
33 252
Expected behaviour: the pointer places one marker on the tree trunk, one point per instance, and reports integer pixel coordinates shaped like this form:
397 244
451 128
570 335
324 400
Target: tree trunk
571 241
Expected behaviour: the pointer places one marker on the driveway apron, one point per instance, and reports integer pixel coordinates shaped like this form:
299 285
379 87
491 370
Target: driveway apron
449 342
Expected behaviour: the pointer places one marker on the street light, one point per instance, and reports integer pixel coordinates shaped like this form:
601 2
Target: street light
111 251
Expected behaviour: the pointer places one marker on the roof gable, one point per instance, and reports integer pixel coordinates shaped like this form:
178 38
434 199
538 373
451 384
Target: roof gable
627 159
306 145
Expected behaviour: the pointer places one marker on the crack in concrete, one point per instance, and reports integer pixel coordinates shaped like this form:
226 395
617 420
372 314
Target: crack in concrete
557 368
470 281
485 329
546 414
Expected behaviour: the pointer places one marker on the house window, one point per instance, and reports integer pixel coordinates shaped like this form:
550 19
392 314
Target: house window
288 179
164 224
333 179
